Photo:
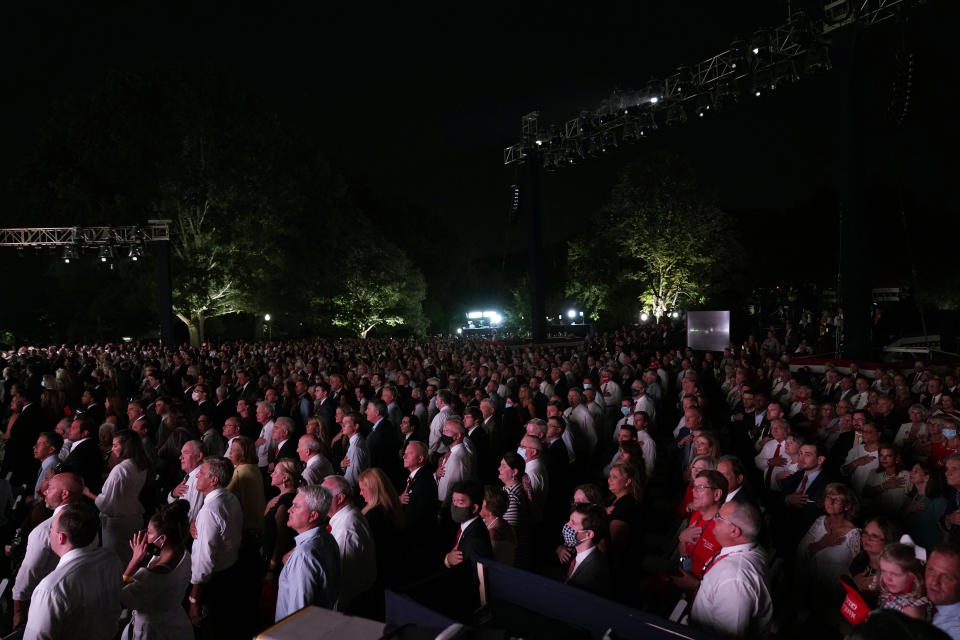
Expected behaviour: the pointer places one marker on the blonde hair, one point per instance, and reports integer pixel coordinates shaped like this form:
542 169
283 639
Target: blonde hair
381 493
904 556
292 469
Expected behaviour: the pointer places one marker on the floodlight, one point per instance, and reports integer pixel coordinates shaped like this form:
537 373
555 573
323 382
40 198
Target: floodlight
69 253
266 317
136 252
459 331
644 317
106 253
675 314
571 314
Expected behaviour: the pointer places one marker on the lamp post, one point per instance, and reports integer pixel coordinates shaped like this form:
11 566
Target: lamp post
268 326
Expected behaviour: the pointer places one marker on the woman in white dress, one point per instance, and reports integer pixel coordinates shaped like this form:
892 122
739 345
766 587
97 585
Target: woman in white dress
832 541
121 514
157 578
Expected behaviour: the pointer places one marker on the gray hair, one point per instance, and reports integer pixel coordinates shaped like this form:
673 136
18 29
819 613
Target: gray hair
311 444
268 406
196 445
317 499
223 392
541 426
340 485
108 427
747 518
219 468
285 423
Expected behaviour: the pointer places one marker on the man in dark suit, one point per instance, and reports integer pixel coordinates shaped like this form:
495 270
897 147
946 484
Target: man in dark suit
96 411
419 500
246 388
23 434
737 489
802 492
383 442
588 568
480 441
472 540
285 444
204 405
85 458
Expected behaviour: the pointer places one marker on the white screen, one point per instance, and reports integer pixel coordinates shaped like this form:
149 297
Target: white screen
708 330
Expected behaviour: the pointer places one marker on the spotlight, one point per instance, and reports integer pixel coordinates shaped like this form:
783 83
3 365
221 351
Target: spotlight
675 314
735 56
69 253
136 252
654 91
703 105
459 331
571 314
106 254
644 317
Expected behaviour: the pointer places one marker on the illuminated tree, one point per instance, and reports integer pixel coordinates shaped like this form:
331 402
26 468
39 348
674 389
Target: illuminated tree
658 242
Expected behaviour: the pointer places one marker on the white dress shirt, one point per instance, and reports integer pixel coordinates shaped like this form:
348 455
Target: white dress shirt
316 469
38 561
649 448
436 430
733 598
47 462
359 459
311 575
79 599
194 497
120 496
460 465
539 486
858 480
263 451
580 422
763 458
219 529
358 557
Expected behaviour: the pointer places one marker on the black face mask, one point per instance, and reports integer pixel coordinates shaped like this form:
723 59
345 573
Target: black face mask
460 514
446 440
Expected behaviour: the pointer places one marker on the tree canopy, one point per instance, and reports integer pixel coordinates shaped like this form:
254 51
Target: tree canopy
659 242
259 221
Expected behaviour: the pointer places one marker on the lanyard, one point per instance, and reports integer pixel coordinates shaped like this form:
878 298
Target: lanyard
717 560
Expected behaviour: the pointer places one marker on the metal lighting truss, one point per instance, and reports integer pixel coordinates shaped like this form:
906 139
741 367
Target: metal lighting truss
770 58
125 236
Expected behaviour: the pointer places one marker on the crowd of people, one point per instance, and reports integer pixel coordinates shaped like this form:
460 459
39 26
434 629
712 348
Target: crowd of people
216 490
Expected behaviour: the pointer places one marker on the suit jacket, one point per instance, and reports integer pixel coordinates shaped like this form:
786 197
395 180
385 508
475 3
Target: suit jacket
206 408
19 448
287 450
382 443
592 575
86 460
475 541
481 446
421 512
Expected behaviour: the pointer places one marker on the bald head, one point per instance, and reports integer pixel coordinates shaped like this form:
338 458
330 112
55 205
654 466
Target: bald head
63 488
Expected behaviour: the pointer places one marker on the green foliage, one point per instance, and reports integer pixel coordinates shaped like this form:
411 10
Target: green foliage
380 287
259 221
658 242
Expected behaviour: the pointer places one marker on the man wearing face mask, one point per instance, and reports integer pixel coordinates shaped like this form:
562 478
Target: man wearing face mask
588 569
472 541
530 449
610 390
458 463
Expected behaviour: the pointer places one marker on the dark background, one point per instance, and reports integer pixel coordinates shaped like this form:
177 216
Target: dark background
414 105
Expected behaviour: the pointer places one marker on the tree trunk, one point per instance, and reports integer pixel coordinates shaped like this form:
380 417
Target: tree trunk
195 327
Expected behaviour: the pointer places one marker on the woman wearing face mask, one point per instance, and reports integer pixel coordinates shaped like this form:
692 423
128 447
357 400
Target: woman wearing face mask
924 506
942 434
157 577
518 514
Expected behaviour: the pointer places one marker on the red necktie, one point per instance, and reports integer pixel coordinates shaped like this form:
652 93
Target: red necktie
769 477
456 543
803 485
527 487
573 563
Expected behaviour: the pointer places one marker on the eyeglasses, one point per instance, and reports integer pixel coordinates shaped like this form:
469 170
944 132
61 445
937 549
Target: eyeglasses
727 520
703 487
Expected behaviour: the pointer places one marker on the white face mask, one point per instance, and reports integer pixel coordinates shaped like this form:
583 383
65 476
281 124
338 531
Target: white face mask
522 453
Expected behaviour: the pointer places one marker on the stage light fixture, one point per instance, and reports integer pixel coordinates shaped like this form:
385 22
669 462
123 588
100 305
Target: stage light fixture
818 58
703 105
106 254
136 252
69 253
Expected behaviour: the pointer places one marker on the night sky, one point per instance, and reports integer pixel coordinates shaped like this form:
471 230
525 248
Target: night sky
417 103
